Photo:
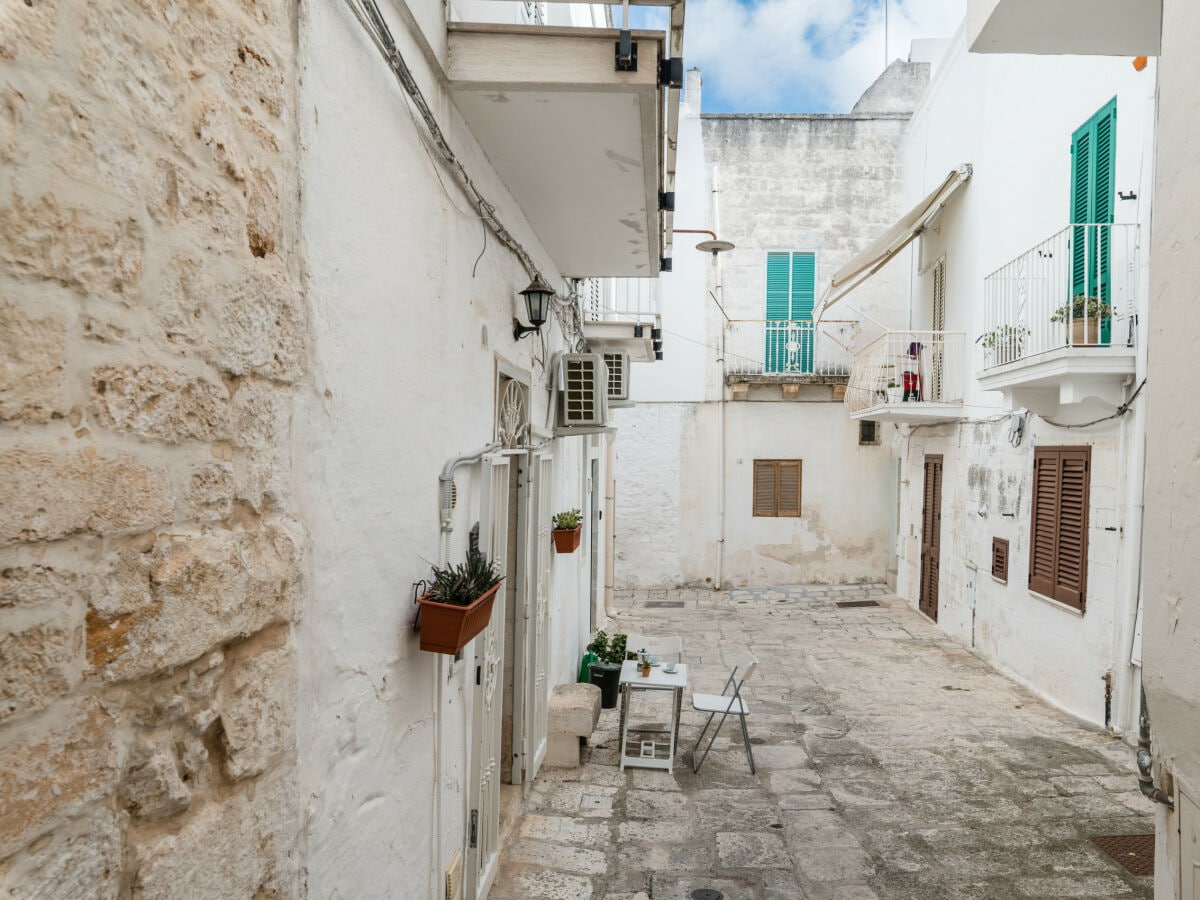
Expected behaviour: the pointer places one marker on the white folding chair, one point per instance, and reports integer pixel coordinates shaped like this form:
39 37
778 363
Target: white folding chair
727 704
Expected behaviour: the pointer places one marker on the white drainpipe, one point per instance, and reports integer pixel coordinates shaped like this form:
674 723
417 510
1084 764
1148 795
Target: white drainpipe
720 289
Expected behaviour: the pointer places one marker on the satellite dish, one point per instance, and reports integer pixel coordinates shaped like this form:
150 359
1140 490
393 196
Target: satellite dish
714 247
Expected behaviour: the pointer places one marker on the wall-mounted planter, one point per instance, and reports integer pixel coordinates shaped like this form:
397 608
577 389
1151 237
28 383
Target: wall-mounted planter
566 540
446 628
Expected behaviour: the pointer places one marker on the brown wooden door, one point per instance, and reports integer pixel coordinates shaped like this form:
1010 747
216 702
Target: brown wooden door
931 537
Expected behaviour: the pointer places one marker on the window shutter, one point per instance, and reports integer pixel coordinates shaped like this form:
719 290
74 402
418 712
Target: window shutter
764 487
1059 542
1081 205
1070 583
1093 151
789 488
1044 530
1103 186
804 286
779 286
1000 559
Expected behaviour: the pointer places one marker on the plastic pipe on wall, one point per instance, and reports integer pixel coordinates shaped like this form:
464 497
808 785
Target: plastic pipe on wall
720 290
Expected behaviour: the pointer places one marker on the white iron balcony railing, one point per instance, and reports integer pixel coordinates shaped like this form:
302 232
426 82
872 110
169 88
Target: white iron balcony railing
621 299
1075 289
781 347
905 367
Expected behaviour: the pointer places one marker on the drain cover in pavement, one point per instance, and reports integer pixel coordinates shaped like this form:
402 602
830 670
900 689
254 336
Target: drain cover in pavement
705 894
847 604
1133 851
664 604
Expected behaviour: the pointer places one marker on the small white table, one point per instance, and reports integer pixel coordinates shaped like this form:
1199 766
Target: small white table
649 753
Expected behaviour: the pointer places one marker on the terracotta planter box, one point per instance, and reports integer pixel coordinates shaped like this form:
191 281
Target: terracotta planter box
566 541
1085 332
447 629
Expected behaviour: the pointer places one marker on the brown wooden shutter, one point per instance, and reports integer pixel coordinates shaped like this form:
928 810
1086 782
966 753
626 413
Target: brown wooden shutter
788 503
1043 538
1059 540
1000 559
764 487
1070 582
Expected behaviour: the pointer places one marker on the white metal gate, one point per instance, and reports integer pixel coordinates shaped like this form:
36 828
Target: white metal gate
538 632
483 822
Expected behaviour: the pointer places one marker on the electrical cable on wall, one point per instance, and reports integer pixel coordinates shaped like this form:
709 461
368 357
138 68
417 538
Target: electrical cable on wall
373 22
1121 410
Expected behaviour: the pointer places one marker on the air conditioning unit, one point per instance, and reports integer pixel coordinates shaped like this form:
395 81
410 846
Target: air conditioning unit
582 394
617 363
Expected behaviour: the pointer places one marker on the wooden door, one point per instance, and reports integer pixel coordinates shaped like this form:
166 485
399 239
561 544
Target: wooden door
483 796
931 537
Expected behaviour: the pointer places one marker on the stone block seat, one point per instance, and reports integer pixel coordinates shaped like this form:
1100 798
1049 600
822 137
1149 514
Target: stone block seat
573 714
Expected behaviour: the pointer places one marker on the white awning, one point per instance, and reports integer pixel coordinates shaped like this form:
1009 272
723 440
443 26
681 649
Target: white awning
891 242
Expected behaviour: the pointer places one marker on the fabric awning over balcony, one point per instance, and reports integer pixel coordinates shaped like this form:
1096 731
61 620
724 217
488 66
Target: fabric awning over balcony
891 242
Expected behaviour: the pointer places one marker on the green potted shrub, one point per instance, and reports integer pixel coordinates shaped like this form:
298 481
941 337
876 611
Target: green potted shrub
606 671
1090 320
567 527
458 603
1005 343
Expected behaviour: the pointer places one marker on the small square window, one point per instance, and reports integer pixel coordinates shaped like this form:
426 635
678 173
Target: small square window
1000 559
777 487
868 433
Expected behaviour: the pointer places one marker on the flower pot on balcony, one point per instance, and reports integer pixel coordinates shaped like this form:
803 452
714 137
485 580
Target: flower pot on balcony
446 628
566 540
1090 332
895 394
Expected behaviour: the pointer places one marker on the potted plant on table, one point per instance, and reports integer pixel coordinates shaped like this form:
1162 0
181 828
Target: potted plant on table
1005 343
567 526
606 670
1089 319
458 604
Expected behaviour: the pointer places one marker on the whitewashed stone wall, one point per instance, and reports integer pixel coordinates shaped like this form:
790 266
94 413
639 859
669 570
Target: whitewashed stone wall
152 339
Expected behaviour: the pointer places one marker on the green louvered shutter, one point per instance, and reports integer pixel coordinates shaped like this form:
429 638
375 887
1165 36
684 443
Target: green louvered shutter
779 308
791 294
804 295
1093 152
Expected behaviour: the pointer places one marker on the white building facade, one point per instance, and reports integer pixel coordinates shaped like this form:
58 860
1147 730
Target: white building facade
300 235
738 464
986 341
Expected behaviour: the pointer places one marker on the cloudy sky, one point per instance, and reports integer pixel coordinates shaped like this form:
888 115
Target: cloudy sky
798 55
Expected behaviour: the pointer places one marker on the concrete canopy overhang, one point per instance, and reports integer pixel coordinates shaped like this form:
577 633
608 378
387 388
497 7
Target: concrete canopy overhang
1084 27
1069 383
912 413
578 144
884 248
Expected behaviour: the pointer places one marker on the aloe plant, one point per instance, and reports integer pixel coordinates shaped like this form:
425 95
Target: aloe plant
463 584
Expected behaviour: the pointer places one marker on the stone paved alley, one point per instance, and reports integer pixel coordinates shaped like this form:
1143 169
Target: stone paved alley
892 763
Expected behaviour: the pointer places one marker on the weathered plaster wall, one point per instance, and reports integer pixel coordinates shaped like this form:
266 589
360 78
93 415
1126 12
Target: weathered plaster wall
409 334
793 182
667 487
1052 648
152 339
977 111
1171 565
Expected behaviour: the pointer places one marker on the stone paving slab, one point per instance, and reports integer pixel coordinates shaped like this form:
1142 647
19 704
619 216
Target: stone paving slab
893 764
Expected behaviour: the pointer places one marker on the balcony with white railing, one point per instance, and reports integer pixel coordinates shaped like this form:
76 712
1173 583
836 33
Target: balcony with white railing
1058 319
623 314
780 351
909 376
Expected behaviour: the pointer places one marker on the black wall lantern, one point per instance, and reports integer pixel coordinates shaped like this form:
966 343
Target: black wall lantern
537 307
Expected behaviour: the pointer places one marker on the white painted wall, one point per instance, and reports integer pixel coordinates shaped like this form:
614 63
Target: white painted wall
407 342
823 183
979 111
1171 565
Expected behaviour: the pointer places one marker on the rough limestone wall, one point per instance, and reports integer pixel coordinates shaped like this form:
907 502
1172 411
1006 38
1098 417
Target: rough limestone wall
151 341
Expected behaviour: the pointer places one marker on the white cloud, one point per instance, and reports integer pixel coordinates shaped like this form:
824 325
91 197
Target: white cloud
802 55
